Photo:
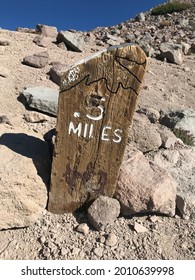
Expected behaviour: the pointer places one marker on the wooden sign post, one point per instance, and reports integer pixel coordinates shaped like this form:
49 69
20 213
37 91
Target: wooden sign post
96 105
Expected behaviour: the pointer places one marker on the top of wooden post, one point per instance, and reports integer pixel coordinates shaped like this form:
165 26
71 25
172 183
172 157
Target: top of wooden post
96 105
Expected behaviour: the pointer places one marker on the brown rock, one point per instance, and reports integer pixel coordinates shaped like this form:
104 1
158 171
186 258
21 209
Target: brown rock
57 71
41 41
144 187
38 60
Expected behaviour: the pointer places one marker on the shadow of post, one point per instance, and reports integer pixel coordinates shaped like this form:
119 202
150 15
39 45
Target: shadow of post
31 147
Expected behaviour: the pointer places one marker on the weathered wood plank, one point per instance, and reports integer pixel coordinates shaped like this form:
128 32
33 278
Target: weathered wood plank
96 104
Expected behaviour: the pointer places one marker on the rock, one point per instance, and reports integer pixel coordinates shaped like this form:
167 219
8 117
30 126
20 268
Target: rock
35 117
99 252
47 31
4 119
141 17
111 240
62 46
186 48
182 122
168 137
41 41
56 72
83 228
103 211
144 135
172 52
4 42
38 60
144 187
42 98
152 114
181 165
26 30
73 41
112 40
140 228
25 166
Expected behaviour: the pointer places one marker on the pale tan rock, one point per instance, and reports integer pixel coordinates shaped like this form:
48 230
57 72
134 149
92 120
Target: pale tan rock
83 228
140 228
35 117
24 166
144 187
111 240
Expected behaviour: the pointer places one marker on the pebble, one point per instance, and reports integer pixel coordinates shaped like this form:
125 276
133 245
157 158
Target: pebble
98 252
83 228
139 228
111 240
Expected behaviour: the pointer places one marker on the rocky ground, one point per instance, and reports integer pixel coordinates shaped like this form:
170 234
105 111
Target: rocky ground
159 233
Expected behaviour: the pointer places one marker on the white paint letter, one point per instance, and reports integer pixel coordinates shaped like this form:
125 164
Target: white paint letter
104 136
85 130
91 131
75 130
118 137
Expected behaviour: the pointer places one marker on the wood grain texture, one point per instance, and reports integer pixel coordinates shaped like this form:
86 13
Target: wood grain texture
96 104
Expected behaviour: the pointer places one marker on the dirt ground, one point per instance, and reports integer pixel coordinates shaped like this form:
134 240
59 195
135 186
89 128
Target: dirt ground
166 86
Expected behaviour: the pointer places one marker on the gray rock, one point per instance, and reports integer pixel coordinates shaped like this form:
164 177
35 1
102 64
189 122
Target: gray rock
4 119
73 41
103 211
47 31
140 228
38 60
172 52
42 98
182 122
144 187
25 166
144 135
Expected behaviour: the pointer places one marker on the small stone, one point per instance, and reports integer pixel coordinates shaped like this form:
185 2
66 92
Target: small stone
103 211
64 252
83 228
153 219
41 41
98 252
4 119
139 228
42 239
4 73
76 251
111 240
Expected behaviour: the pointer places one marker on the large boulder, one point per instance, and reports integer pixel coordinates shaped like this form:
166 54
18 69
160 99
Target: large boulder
181 165
73 40
172 52
24 175
143 187
41 98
